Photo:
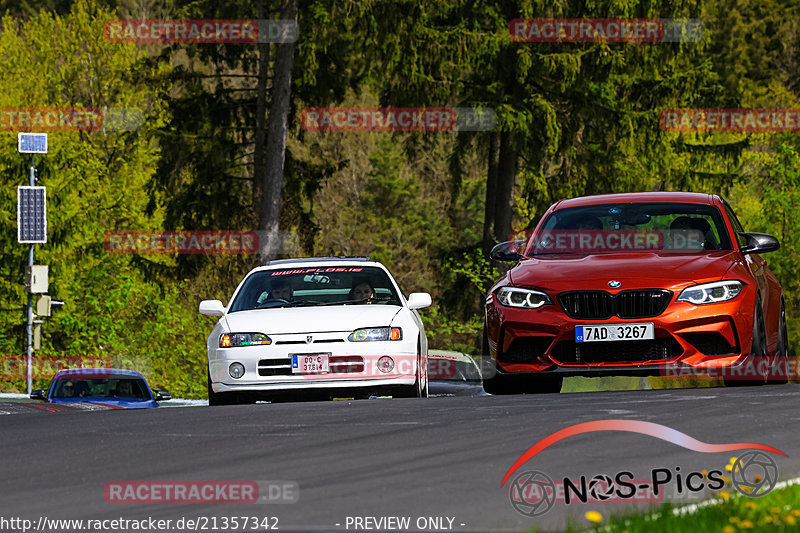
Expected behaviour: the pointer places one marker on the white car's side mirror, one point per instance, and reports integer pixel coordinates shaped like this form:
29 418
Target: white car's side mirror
212 308
418 300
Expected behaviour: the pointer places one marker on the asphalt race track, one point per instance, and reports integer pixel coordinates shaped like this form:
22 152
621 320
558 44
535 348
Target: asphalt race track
438 458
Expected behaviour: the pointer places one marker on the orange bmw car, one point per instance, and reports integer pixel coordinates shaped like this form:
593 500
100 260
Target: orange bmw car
656 283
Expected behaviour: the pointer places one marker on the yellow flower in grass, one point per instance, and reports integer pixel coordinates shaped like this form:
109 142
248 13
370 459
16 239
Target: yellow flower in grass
725 479
789 519
746 524
750 505
795 512
748 490
724 494
593 516
733 519
728 468
768 519
775 510
728 529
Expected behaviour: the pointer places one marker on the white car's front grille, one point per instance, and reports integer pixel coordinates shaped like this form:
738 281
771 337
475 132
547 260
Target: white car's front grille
275 367
339 364
306 342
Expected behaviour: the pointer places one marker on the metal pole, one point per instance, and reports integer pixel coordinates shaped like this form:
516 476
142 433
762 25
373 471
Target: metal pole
29 365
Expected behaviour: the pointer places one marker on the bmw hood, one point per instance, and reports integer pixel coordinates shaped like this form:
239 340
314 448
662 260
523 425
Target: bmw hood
632 270
289 320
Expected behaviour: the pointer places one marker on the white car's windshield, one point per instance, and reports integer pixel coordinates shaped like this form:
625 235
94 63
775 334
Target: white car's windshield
315 286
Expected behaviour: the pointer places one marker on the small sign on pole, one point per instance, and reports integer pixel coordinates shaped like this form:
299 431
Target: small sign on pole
32 143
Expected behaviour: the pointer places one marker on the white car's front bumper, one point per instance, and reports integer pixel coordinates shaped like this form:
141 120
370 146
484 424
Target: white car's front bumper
352 364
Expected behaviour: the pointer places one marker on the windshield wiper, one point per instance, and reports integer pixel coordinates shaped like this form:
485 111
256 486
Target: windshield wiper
363 300
298 303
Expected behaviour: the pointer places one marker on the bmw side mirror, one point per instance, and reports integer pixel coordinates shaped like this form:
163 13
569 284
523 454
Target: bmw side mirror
212 308
759 243
508 251
38 394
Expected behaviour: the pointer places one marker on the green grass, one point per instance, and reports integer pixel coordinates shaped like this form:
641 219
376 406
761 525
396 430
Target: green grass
777 511
613 383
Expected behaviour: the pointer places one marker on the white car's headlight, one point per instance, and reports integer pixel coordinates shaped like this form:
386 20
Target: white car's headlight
525 298
236 370
376 334
707 293
230 340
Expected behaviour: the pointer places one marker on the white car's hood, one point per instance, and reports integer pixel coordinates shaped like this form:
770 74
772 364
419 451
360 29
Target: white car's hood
311 319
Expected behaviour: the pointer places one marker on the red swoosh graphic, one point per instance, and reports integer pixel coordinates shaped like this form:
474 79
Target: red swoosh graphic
634 426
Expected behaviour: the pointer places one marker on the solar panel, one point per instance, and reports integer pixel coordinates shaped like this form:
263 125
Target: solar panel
32 143
32 215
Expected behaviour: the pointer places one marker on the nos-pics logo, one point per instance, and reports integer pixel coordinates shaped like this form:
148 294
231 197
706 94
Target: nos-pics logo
533 492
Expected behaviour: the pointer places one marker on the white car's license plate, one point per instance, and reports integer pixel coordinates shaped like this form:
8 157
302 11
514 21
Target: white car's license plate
615 332
310 363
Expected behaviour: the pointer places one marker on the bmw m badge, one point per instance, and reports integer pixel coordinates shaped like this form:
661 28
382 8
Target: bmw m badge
614 284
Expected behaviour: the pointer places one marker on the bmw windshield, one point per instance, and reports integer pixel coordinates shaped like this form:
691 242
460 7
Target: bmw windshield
636 227
315 286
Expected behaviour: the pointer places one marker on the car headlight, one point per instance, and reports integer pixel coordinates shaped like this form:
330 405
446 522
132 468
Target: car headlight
525 298
230 340
376 334
707 293
236 370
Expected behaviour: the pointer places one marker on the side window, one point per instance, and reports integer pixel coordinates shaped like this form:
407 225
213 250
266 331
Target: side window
737 226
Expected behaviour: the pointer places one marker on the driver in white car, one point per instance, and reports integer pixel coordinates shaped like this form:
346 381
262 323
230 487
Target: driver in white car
281 290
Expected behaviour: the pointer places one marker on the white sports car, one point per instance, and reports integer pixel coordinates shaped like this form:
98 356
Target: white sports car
315 328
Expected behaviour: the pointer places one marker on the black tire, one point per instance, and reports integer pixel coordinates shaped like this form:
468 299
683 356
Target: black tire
758 352
781 361
418 389
220 398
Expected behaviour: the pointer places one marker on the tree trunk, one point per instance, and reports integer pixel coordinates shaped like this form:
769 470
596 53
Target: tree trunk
506 175
259 168
277 126
491 192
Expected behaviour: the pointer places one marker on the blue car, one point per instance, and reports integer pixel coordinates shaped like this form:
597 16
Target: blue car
117 389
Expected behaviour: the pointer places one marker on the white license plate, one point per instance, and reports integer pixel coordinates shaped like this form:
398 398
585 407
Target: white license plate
310 363
615 332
